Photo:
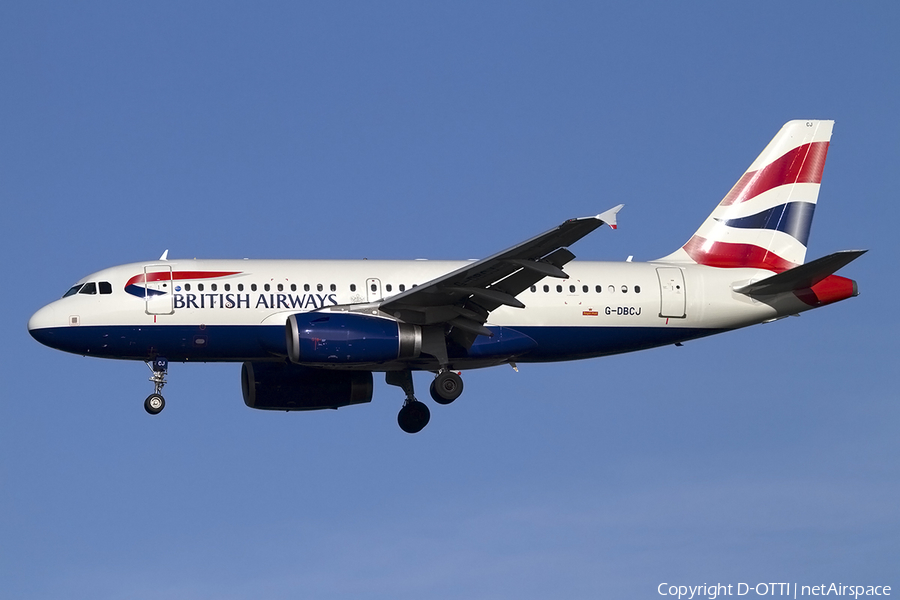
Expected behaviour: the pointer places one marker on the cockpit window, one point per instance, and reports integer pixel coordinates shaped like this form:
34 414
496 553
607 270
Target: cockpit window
105 287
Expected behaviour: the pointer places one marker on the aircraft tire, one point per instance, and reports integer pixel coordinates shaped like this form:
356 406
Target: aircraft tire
446 387
154 404
413 417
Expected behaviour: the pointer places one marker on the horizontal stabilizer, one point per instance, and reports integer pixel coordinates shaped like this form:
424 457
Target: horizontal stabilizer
801 277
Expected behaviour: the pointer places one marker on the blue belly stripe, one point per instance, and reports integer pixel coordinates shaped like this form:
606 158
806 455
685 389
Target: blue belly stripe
238 343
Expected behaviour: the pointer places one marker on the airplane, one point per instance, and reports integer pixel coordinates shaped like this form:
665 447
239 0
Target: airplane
310 334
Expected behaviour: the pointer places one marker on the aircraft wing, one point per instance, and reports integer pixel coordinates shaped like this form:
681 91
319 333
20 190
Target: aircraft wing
464 298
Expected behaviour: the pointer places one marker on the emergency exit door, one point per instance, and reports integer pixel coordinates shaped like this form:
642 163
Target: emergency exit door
373 290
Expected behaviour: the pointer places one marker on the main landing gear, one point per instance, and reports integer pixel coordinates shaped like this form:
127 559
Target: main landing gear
446 387
414 415
155 402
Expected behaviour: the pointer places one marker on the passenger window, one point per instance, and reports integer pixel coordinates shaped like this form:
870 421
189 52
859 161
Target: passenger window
267 287
559 288
105 287
599 288
352 287
546 288
637 289
252 287
72 290
240 287
624 289
402 287
388 287
374 287
572 289
280 287
227 287
89 288
584 289
533 289
293 287
318 287
199 287
332 287
305 287
187 287
214 287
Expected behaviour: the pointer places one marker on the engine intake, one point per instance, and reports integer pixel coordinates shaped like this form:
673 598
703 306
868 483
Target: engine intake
282 386
348 338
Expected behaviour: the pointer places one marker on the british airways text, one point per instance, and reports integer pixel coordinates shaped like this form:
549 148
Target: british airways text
269 301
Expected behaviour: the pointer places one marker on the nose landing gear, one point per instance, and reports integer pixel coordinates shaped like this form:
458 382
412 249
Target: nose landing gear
155 402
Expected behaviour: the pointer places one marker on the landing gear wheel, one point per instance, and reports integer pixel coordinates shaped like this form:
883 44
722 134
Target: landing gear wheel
446 387
154 404
413 417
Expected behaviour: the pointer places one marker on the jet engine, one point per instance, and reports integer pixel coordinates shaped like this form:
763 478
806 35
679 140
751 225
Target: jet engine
349 338
283 386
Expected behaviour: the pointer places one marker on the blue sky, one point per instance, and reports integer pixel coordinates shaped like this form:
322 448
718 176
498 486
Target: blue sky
402 130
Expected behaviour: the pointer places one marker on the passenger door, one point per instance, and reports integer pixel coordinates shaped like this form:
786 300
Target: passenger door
672 293
158 290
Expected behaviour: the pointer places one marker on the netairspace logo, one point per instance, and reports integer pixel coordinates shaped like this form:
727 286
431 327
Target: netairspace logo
713 591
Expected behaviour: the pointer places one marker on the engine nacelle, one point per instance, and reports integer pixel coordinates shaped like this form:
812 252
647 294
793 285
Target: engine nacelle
282 386
349 338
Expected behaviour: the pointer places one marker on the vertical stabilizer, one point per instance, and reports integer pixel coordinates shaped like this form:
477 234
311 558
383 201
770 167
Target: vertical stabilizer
764 221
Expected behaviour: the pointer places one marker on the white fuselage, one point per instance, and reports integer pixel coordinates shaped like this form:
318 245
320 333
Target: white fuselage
236 310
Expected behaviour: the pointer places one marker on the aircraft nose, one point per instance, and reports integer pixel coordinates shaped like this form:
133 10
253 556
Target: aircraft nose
41 323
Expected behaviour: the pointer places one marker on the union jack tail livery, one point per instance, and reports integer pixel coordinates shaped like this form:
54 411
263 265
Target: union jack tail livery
764 221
